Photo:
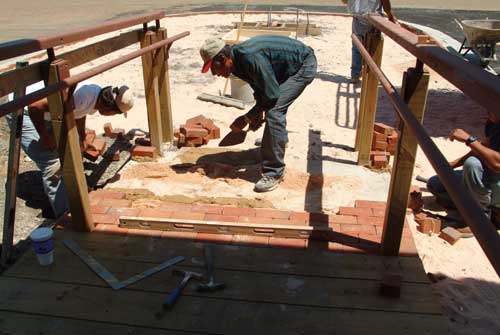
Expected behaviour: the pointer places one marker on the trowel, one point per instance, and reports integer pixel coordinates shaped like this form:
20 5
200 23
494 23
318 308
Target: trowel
233 138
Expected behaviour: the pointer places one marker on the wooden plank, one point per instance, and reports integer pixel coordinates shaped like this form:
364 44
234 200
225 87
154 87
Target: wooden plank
9 217
26 75
362 103
161 66
151 90
414 89
66 134
216 227
29 324
315 262
211 315
306 290
370 107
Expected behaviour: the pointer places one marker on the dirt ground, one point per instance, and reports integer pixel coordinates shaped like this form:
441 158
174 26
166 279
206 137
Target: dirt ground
321 166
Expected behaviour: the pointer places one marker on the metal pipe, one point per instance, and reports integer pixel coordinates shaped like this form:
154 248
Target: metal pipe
25 46
475 82
73 80
474 216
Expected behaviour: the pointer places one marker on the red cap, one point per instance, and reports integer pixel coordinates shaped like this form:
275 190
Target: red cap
207 66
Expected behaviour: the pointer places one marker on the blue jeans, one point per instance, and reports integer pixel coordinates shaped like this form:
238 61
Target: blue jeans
47 161
275 134
483 184
360 29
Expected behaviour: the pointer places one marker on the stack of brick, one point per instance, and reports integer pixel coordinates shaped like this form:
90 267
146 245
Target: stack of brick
428 224
196 131
113 133
384 144
96 146
143 148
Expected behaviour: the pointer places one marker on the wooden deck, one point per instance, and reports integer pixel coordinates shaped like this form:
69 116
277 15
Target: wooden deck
270 291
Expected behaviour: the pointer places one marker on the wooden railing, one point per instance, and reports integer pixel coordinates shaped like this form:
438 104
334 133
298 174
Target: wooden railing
60 85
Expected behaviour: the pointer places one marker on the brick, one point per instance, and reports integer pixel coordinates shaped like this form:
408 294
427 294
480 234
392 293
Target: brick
379 146
107 194
379 137
199 119
155 213
111 229
344 219
176 206
99 145
378 212
89 136
116 202
108 129
117 133
380 161
254 219
425 226
355 211
238 211
392 148
383 128
450 235
91 155
124 211
105 219
393 139
390 286
379 153
299 243
436 226
250 240
221 218
179 235
194 132
145 232
143 141
183 215
299 216
214 238
143 151
272 213
207 209
358 228
407 247
99 209
214 132
371 220
370 204
194 141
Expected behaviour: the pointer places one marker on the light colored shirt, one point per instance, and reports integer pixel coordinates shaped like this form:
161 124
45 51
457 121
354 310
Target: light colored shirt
363 7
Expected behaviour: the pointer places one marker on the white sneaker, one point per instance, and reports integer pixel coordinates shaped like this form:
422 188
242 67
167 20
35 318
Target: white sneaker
267 183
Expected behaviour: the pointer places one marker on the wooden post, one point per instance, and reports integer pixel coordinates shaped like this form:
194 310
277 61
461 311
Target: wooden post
365 127
66 135
362 99
151 89
414 91
9 217
164 89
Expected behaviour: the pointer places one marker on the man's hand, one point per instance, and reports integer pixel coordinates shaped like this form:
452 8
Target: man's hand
257 122
459 135
239 123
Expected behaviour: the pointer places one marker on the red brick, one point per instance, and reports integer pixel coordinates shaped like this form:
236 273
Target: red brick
214 132
91 155
194 140
221 218
450 235
99 145
155 213
254 219
371 220
347 219
378 212
179 234
182 215
127 211
142 151
107 194
355 211
111 229
214 238
392 139
250 240
207 209
299 216
380 161
176 206
116 202
357 228
143 141
436 226
379 137
238 211
89 136
108 128
383 128
198 119
272 213
105 219
145 232
194 132
99 209
379 153
407 247
379 146
299 243
117 133
369 204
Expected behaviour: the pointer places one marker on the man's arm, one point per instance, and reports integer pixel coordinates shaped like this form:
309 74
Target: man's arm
487 155
386 5
80 126
37 112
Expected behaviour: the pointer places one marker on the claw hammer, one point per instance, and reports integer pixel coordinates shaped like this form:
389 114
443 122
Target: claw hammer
176 293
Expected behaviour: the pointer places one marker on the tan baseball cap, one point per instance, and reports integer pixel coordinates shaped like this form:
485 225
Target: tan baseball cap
209 50
124 99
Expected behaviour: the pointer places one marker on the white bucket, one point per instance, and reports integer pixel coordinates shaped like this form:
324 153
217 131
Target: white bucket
43 244
241 90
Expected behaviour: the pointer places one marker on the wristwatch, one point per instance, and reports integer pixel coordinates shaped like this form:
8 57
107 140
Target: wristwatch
471 139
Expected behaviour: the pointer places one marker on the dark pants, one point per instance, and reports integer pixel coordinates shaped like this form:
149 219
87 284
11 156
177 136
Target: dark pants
275 134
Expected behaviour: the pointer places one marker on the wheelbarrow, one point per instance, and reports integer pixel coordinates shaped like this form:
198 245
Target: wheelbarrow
481 37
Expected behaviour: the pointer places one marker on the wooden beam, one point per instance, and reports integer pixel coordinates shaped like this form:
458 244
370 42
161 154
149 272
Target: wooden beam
66 134
9 217
151 90
414 91
365 128
362 104
164 89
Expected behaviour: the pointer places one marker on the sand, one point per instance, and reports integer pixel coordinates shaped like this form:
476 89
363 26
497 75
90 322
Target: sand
321 167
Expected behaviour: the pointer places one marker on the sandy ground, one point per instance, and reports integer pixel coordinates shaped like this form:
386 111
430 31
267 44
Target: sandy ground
321 167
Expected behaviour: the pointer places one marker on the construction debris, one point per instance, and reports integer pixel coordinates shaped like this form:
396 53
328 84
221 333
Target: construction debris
196 131
384 144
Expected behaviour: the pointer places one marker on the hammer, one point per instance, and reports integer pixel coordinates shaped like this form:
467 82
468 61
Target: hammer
211 285
172 297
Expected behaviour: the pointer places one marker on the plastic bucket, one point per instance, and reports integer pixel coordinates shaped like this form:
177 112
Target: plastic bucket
43 244
241 90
